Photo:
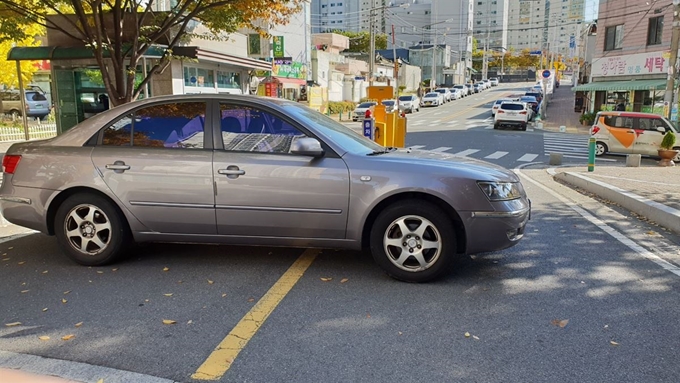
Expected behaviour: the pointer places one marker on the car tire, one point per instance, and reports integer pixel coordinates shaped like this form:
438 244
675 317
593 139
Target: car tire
15 114
427 225
496 126
600 148
524 127
86 216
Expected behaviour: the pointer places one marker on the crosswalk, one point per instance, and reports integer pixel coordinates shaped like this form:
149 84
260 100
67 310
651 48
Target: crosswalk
573 147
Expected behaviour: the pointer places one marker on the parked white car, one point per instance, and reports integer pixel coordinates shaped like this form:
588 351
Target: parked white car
463 89
360 110
456 93
494 81
497 105
512 114
432 99
444 92
409 103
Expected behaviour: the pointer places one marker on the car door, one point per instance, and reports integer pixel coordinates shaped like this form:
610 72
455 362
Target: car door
621 134
158 162
648 136
263 190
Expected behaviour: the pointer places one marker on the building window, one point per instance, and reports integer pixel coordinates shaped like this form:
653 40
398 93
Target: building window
228 80
254 47
655 30
203 78
613 38
427 12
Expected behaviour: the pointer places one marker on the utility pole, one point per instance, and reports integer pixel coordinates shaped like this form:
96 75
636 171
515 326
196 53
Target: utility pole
485 64
434 49
672 63
371 59
396 68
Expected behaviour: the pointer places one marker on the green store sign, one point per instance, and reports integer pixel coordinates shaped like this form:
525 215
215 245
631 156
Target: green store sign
292 70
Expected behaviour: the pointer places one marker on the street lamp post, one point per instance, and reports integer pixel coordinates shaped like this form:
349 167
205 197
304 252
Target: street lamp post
371 61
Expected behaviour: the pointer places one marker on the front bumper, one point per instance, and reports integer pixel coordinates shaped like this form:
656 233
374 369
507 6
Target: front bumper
497 230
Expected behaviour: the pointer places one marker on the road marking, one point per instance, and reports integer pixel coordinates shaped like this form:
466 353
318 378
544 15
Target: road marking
465 153
221 359
602 225
527 157
440 149
496 155
416 146
453 122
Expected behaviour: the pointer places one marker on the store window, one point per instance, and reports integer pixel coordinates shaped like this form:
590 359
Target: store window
228 80
198 77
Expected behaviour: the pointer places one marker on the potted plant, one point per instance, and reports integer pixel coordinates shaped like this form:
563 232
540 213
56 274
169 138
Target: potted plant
587 118
666 150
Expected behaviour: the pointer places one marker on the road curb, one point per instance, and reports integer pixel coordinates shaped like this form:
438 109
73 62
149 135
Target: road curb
657 212
76 371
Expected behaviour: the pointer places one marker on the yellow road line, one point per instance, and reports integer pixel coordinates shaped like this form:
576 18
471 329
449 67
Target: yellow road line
220 360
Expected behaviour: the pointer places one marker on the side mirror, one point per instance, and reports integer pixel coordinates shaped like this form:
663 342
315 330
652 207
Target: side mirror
307 146
661 129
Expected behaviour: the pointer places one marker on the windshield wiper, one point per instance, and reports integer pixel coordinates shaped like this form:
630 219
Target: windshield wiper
379 152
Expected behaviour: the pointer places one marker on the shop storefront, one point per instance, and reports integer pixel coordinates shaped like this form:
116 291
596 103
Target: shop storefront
288 80
635 83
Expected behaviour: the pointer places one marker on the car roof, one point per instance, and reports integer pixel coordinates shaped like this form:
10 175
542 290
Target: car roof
432 94
630 114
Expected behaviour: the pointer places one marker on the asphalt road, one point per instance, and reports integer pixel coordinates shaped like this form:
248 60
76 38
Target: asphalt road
582 298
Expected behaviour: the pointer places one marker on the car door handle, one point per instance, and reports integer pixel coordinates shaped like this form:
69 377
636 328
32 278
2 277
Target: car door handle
232 172
118 166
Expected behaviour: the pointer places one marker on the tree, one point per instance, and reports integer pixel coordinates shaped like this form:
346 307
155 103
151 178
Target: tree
120 32
360 42
8 70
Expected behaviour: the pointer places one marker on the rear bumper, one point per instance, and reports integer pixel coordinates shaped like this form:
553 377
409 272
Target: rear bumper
24 206
511 122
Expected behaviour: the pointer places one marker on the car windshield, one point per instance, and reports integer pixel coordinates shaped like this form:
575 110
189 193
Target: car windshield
388 103
406 98
501 101
440 90
366 105
459 86
337 132
432 94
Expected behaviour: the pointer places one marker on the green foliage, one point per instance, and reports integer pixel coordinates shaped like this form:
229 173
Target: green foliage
336 107
360 42
588 117
668 141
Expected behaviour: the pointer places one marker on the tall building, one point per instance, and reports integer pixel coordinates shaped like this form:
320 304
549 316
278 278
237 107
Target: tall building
347 15
545 25
490 22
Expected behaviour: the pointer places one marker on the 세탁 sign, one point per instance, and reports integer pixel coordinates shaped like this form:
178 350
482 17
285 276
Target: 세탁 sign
631 65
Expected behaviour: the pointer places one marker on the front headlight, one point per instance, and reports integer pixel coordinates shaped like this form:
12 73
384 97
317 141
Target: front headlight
500 191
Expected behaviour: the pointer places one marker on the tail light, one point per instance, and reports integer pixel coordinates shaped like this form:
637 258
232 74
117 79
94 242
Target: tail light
10 162
500 111
524 112
594 130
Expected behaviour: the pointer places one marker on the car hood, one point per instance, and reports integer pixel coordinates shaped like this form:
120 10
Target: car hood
459 166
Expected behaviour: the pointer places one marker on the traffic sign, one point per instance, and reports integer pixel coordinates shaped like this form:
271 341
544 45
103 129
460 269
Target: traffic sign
369 127
546 74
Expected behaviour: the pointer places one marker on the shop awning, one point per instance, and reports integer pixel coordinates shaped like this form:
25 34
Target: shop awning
65 53
285 80
659 84
222 58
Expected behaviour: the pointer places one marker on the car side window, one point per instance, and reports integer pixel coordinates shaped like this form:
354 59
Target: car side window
171 125
248 129
659 123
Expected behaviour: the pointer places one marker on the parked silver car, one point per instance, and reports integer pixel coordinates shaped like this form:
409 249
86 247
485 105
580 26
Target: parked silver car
256 171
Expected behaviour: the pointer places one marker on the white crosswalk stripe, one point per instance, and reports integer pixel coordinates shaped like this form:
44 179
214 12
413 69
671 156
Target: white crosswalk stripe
465 153
575 146
527 157
416 146
440 149
496 155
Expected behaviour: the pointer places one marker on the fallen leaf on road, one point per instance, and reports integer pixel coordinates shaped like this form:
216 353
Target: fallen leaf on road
251 300
190 321
45 309
79 324
166 269
21 263
24 291
44 337
343 280
12 324
114 269
210 282
467 334
560 323
100 272
10 248
475 337
326 279
68 337
100 381
651 232
44 272
613 343
6 259
401 333
169 321
224 295
67 291
168 295
63 300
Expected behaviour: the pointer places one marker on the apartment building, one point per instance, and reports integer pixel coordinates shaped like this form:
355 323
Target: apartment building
546 25
347 15
631 58
490 23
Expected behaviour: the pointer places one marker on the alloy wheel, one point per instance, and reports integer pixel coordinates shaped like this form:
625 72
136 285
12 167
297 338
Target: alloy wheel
412 243
88 229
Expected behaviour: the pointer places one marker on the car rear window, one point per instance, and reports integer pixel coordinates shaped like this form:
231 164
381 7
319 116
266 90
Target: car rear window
388 103
432 94
405 98
528 99
508 106
440 90
366 105
35 96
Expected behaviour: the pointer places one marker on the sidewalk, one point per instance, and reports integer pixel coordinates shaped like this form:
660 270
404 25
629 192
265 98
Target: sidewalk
561 113
650 191
8 375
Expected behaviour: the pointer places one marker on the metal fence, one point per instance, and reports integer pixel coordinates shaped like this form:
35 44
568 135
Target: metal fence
36 130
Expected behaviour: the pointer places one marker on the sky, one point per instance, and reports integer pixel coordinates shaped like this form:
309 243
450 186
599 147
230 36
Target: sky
591 9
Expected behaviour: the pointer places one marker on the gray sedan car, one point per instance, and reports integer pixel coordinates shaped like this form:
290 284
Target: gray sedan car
256 171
